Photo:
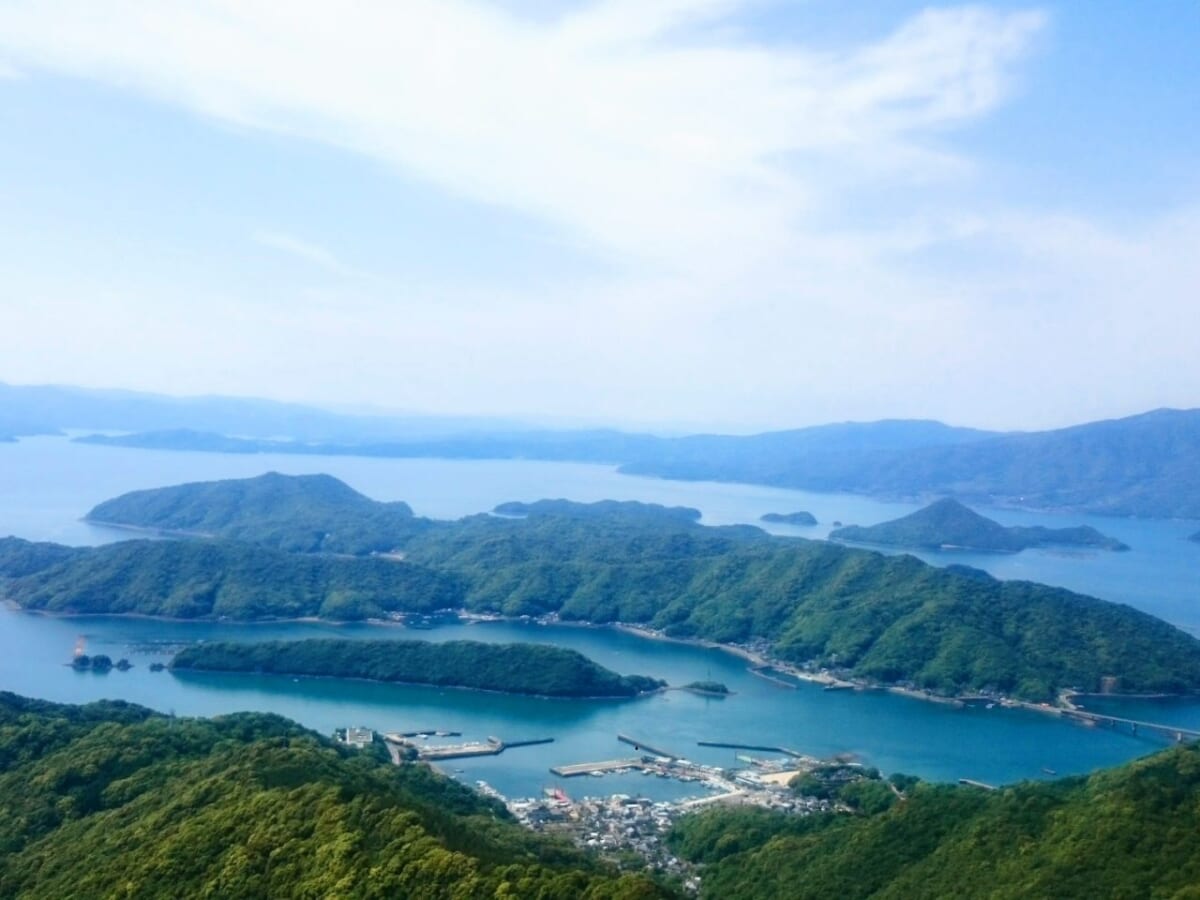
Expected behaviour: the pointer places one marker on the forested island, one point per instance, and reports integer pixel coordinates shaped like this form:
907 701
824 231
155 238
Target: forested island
792 518
1123 832
536 669
111 799
947 523
885 619
715 688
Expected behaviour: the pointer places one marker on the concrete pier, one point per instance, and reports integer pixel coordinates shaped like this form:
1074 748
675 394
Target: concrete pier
642 745
587 768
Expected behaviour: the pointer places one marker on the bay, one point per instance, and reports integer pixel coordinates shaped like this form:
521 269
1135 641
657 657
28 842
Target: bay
47 484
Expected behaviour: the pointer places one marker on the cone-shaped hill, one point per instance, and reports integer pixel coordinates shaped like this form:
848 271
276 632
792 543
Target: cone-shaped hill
949 524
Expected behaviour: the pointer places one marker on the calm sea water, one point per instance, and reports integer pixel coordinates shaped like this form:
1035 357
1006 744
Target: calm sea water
46 484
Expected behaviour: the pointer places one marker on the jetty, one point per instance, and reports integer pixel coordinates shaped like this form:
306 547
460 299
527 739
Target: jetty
786 751
971 782
762 672
642 745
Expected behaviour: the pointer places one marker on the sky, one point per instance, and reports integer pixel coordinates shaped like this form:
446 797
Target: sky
691 214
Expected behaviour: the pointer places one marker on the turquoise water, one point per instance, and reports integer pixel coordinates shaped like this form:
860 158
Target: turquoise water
893 733
46 484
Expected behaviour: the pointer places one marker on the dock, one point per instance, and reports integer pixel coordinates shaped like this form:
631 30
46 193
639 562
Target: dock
642 745
493 746
587 768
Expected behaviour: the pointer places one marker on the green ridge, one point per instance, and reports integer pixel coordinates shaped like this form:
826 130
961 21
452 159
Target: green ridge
110 800
1124 832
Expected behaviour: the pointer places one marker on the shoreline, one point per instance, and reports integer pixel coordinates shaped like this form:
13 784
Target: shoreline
754 657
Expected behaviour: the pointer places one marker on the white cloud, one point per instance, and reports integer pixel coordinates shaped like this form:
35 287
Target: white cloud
706 169
655 150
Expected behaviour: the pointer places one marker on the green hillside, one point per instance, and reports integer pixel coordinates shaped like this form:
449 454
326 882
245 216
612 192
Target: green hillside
1125 832
511 668
304 513
211 579
884 618
111 800
947 523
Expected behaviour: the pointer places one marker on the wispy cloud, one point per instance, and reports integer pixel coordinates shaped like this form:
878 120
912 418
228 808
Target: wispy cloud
306 250
601 121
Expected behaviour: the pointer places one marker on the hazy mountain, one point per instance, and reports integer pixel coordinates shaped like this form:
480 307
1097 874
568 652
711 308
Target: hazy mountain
42 409
1144 465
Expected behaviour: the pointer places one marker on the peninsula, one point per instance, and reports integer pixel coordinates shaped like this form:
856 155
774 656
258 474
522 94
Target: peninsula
948 524
534 669
213 579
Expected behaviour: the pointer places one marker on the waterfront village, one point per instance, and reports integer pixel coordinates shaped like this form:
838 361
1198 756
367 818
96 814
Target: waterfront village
626 829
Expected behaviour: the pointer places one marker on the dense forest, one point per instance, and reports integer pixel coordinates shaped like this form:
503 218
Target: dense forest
882 618
512 668
947 523
211 579
112 800
1124 832
800 517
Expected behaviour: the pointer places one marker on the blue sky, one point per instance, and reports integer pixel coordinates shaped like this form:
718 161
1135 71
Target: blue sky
716 214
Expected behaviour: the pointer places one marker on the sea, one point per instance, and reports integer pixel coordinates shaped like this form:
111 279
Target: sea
47 484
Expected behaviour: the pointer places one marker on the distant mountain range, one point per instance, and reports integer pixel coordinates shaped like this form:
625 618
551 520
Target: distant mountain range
947 523
50 409
1143 465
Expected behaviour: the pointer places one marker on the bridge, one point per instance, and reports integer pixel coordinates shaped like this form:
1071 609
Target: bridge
1175 733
